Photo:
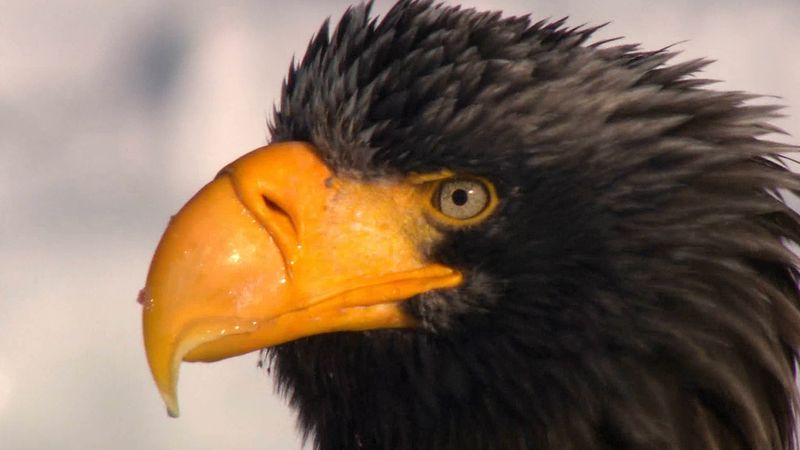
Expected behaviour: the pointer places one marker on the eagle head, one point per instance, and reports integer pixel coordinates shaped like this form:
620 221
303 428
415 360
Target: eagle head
474 231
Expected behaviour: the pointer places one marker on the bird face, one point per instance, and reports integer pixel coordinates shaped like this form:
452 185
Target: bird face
278 247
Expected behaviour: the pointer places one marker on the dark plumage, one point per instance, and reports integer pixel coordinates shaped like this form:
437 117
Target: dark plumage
633 289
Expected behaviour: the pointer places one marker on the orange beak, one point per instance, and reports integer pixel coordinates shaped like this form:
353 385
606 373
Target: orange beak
277 248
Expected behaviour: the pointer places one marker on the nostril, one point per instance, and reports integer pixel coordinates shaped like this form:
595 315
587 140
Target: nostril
277 213
272 205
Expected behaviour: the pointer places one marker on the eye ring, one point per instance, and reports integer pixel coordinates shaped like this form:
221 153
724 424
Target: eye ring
462 200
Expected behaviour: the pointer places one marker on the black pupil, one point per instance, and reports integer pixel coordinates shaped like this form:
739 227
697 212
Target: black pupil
460 197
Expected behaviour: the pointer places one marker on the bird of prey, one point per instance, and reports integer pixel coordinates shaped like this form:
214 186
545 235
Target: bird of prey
473 231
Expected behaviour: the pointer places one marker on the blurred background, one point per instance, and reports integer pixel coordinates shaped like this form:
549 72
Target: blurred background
113 113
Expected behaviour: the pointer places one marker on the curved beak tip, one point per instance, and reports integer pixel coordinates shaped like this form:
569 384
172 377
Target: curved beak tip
172 409
167 388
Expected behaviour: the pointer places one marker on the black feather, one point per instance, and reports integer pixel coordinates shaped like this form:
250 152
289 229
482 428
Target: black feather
634 289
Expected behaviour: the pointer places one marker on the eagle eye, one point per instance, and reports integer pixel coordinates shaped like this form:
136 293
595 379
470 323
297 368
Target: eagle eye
463 200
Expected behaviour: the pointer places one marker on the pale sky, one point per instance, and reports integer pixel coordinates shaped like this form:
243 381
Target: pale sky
113 113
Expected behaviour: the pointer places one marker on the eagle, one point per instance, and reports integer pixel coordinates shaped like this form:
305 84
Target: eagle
475 231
